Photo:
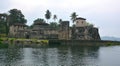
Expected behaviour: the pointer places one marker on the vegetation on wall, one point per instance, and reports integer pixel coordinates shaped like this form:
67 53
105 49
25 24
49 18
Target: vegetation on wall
6 20
54 25
16 16
39 20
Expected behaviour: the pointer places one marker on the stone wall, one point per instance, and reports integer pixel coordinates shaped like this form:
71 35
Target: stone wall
17 30
85 33
64 30
44 31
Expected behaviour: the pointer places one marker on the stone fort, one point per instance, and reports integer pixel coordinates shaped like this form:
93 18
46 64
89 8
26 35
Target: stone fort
41 30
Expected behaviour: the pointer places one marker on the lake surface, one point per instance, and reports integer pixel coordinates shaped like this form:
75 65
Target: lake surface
61 56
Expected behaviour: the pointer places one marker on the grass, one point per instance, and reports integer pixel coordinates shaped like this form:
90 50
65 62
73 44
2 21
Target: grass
5 40
11 40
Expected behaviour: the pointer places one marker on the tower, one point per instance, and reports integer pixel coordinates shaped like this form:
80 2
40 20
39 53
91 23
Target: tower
80 22
64 30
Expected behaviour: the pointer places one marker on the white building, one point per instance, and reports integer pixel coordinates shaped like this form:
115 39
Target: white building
80 22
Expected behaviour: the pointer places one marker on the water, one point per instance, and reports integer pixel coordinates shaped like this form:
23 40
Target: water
61 56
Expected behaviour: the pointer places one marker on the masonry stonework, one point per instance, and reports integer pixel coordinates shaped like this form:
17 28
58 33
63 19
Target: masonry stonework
42 30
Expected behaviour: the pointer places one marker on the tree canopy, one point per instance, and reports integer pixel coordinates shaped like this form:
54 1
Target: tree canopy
16 16
48 15
54 25
60 20
54 17
3 23
6 20
39 20
73 16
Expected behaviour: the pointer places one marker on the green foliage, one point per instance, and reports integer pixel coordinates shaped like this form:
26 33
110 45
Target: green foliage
90 24
39 20
110 44
1 39
3 23
54 25
44 41
16 16
3 45
31 26
6 20
2 35
54 17
60 20
0 42
48 15
73 16
2 29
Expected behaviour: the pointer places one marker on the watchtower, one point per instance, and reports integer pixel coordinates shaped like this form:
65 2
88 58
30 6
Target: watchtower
80 22
64 30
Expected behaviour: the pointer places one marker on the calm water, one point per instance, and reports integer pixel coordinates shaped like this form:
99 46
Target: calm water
61 56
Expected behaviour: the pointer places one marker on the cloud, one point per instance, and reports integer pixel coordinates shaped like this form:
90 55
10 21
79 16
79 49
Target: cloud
96 6
102 13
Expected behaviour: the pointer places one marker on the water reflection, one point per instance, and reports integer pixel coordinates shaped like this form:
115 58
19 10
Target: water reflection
55 56
10 56
75 56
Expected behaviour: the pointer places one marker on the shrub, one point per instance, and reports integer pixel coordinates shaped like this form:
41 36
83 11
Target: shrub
2 35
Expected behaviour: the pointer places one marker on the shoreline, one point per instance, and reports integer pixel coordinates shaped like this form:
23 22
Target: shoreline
85 42
42 42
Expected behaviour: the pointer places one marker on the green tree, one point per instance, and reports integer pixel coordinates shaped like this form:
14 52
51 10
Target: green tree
16 16
54 17
48 15
73 16
39 20
54 25
60 20
4 24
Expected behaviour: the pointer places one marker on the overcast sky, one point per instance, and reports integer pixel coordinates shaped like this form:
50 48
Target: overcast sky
104 14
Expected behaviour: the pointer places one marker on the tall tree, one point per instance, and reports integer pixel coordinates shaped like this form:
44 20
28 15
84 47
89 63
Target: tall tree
60 20
16 16
73 16
48 15
4 23
54 17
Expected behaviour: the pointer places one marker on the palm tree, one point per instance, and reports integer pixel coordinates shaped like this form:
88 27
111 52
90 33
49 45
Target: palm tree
60 20
48 15
73 16
54 17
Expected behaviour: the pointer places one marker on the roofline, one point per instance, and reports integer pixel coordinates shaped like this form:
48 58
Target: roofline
80 18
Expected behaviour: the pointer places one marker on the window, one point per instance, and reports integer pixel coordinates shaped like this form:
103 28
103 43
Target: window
77 21
82 22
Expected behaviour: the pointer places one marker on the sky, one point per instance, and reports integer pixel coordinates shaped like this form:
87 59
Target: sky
104 14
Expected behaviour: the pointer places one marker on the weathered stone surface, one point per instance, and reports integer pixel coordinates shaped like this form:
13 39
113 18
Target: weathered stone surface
85 33
44 31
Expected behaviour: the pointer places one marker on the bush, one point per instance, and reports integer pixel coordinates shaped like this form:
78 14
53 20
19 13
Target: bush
44 41
1 39
2 35
0 42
